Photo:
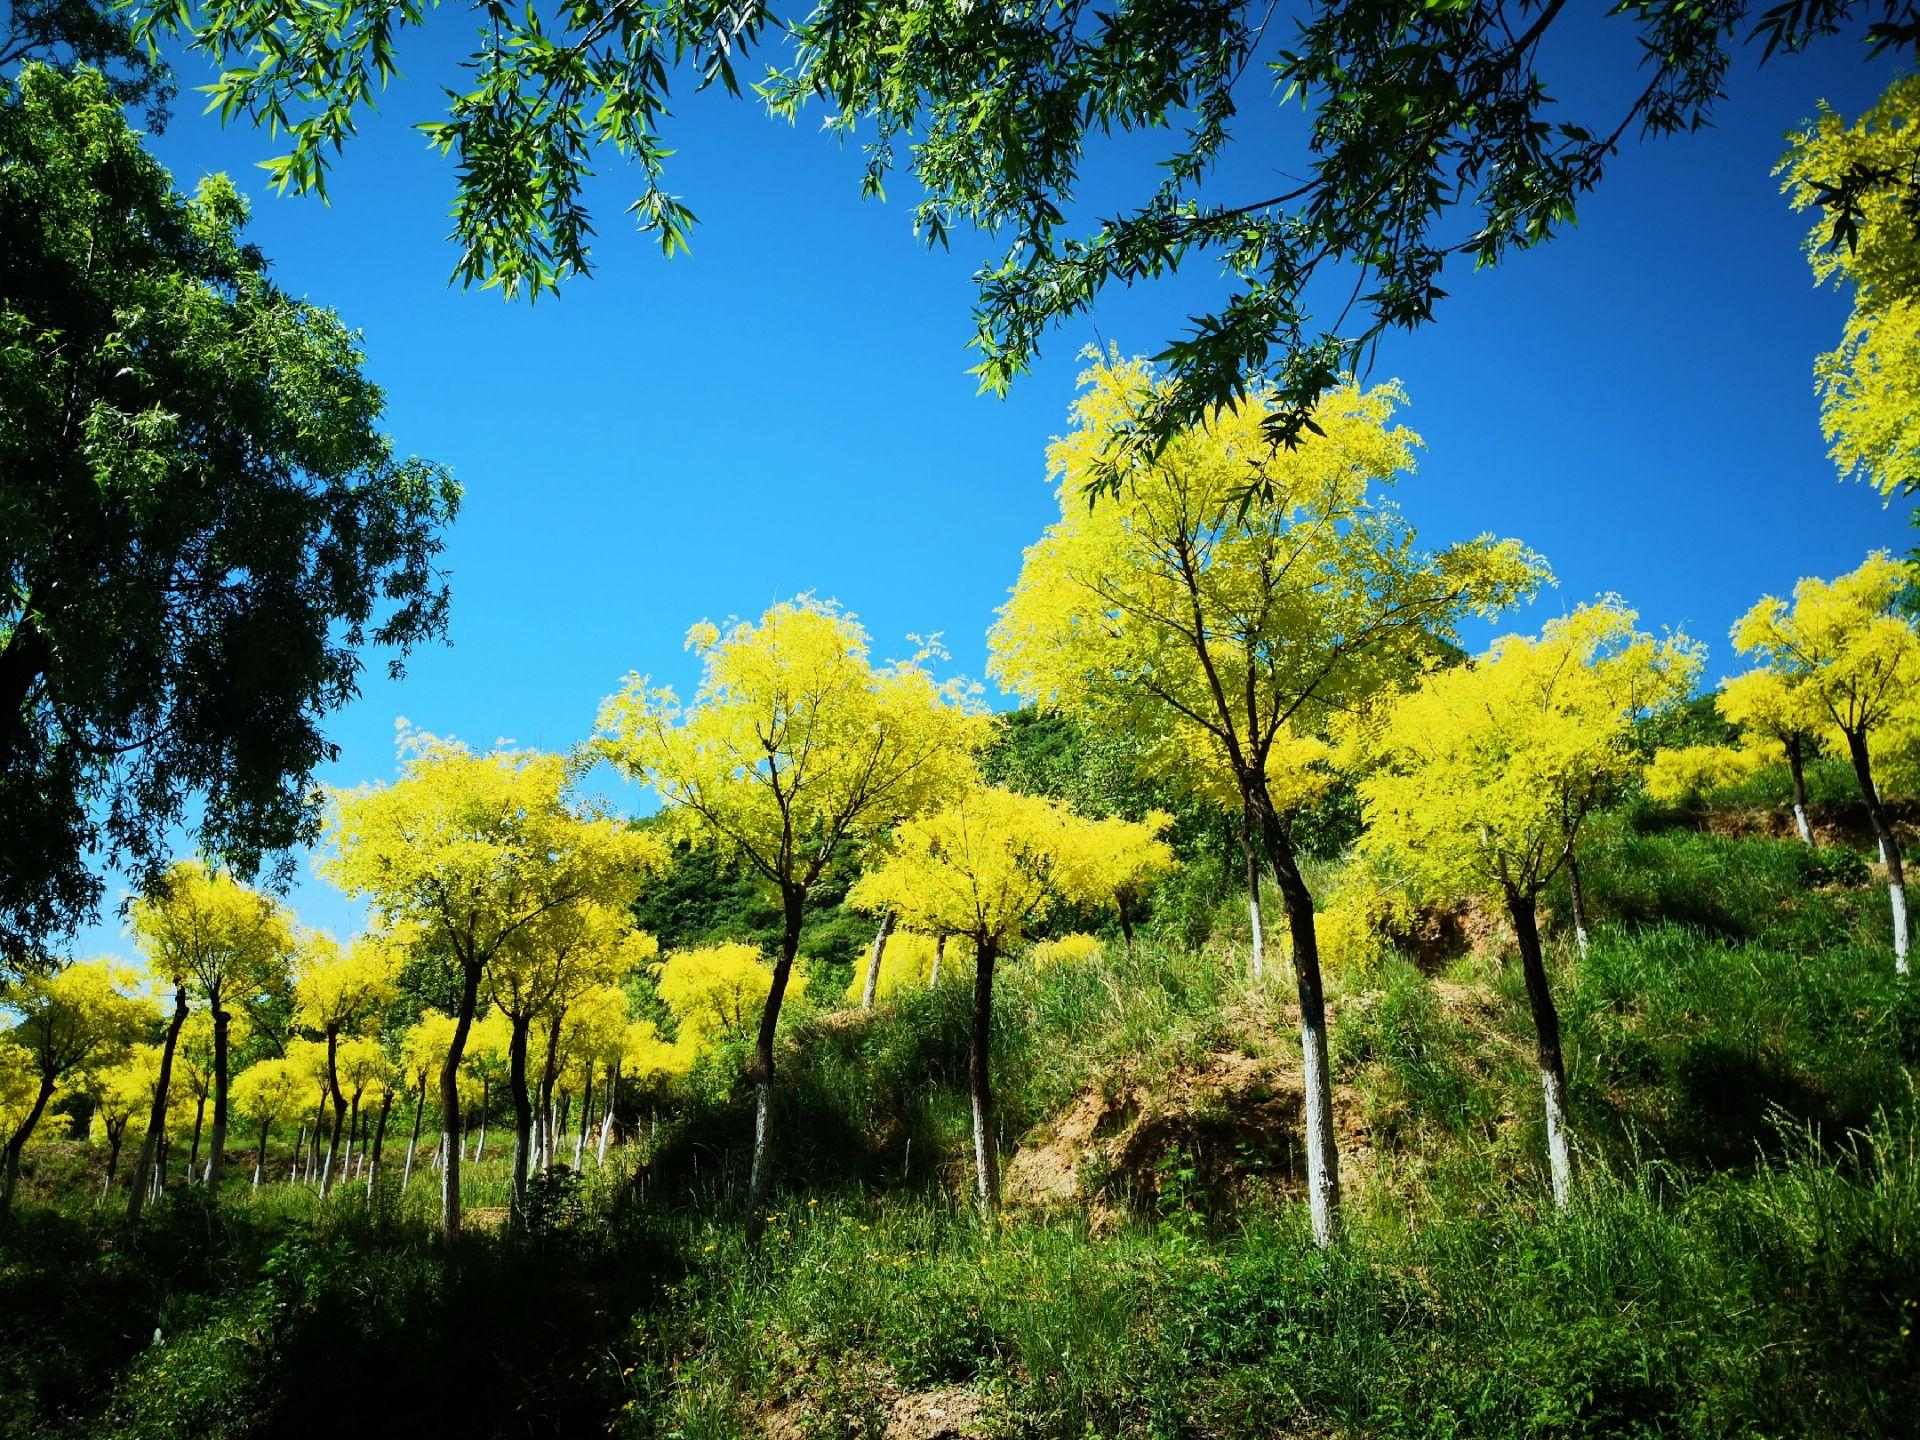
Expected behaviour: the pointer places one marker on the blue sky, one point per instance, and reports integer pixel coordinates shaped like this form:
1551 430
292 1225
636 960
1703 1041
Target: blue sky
788 408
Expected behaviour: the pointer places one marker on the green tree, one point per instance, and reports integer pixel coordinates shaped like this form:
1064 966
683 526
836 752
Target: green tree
1433 139
203 523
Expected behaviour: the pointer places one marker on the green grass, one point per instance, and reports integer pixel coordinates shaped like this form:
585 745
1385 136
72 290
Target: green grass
1743 1257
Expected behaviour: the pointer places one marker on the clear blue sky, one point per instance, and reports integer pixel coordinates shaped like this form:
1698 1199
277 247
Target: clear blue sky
789 409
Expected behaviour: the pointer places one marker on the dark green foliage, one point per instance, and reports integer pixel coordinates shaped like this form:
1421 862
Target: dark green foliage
1695 721
1433 135
202 524
71 33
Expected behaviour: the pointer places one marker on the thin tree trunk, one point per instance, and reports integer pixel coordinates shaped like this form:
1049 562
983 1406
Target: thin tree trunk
299 1149
1579 902
1254 914
986 1151
939 954
313 1137
157 1119
549 1071
260 1160
1121 903
586 1110
450 1101
1323 1155
878 949
419 1105
17 1142
486 1108
1546 1032
522 1110
353 1135
193 1150
379 1138
1889 846
1796 768
761 1176
217 1141
115 1133
606 1125
339 1111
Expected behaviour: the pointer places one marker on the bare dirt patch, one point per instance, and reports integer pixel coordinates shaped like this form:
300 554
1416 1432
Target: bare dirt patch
1231 1120
952 1413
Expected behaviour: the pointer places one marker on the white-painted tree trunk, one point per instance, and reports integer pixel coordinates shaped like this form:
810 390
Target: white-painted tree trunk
1323 1165
939 954
1559 1150
874 955
1897 894
1259 935
1801 824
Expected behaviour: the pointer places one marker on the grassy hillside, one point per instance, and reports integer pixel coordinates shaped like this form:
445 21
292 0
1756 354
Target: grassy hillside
1743 1257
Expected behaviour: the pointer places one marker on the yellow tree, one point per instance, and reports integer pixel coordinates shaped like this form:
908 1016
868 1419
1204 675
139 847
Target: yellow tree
609 951
907 965
362 1065
1486 771
1844 651
213 936
266 1091
308 1060
336 991
121 1094
75 1017
467 850
1867 237
194 1079
1231 596
593 1039
1767 708
536 975
716 993
987 867
422 1048
795 746
1124 858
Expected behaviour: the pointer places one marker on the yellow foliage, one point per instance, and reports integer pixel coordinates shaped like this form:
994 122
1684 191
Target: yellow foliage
333 990
649 1060
1841 649
1074 949
1225 627
717 992
1487 769
204 929
1693 771
993 862
795 741
1870 383
270 1089
905 966
78 1018
468 849
1351 938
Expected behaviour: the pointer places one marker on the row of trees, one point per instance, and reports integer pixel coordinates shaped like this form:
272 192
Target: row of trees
1250 649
